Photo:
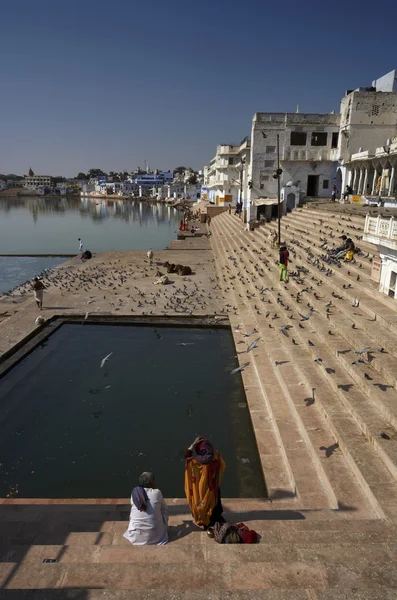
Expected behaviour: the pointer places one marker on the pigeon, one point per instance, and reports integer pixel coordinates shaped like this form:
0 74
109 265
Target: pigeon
367 377
239 368
318 360
384 435
284 330
249 334
381 349
253 345
105 359
362 351
307 317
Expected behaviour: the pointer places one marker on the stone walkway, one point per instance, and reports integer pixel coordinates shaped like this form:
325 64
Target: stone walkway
328 529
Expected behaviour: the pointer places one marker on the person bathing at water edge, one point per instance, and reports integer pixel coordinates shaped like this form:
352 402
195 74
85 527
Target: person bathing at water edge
204 468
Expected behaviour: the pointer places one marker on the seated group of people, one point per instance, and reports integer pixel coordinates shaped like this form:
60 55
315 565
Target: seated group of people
204 467
346 251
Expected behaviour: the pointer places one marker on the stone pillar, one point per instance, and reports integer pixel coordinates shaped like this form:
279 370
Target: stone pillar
354 180
364 190
382 181
374 182
360 180
391 184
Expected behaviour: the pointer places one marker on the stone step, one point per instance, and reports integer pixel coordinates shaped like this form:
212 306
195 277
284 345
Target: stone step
311 482
314 571
375 305
315 432
366 289
384 364
299 223
315 375
279 478
366 412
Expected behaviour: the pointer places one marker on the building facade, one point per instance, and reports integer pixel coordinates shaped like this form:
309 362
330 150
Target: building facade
35 182
225 177
308 150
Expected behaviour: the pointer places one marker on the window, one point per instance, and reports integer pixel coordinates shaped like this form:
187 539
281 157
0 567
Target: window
319 138
261 186
265 177
231 160
269 163
335 138
298 138
375 110
270 149
325 184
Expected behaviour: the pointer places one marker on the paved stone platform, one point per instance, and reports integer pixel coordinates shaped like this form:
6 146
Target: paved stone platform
328 529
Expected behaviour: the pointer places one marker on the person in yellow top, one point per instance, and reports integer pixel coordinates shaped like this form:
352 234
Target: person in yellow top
204 468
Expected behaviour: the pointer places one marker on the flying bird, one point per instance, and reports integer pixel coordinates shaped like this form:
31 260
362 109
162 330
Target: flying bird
362 351
253 345
239 368
105 359
307 317
249 334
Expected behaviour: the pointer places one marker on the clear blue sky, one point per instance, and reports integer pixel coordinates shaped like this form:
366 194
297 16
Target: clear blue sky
108 84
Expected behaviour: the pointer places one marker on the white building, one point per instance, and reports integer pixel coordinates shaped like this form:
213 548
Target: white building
382 232
36 182
367 149
308 147
225 177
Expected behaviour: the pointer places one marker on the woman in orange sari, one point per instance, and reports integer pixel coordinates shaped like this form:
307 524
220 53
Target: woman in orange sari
204 467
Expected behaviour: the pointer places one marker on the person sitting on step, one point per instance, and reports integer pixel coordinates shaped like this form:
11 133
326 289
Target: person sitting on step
149 514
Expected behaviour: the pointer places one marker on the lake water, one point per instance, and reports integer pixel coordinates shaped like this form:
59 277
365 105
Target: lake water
73 429
40 225
15 270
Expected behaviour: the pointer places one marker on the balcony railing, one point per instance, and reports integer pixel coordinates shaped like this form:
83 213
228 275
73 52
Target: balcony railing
297 153
381 228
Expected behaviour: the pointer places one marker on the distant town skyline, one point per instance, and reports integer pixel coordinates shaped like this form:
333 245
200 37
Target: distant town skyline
108 85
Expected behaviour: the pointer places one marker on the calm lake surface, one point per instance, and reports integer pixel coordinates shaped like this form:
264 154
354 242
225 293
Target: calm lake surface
39 225
71 429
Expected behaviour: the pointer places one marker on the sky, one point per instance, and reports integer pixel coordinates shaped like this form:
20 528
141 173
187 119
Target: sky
110 84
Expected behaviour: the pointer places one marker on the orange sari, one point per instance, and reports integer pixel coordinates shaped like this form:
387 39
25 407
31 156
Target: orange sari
202 483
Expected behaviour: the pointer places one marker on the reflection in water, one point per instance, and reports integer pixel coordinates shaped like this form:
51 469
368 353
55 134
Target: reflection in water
38 225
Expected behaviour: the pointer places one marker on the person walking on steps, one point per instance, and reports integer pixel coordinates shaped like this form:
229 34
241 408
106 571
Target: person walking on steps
284 255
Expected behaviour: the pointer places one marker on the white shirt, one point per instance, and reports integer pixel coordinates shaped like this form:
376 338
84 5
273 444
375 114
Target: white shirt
150 526
81 245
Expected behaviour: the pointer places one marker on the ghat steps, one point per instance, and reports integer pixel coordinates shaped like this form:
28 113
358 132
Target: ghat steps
307 555
354 408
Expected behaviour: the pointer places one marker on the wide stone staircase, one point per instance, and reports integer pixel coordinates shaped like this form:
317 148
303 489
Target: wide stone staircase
328 528
52 550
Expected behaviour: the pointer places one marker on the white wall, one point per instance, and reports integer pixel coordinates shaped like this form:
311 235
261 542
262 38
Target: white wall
389 265
386 83
369 118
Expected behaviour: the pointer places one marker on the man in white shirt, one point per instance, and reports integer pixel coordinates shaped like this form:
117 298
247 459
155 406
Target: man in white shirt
80 245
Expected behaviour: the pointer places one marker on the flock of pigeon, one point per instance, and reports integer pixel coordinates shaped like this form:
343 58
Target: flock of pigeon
281 310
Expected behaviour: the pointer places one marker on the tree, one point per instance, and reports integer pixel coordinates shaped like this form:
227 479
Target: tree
192 179
179 170
81 176
92 173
